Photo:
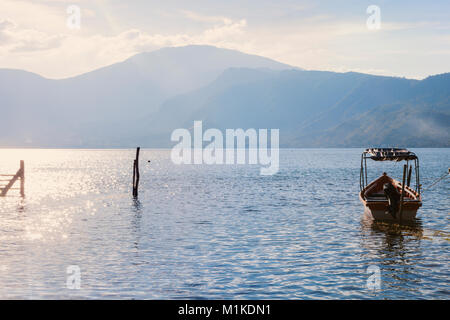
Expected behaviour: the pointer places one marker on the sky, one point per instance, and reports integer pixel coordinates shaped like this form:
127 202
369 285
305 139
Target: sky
407 39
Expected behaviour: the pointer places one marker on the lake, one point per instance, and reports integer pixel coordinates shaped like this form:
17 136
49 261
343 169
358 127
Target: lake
216 231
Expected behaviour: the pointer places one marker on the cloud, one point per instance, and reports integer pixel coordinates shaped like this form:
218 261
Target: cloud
194 16
16 39
32 15
34 35
132 41
5 26
20 46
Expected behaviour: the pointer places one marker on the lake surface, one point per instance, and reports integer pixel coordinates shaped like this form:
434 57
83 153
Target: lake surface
216 231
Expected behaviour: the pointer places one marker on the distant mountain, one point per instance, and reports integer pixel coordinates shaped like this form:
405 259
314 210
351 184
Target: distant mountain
421 118
102 107
316 109
142 100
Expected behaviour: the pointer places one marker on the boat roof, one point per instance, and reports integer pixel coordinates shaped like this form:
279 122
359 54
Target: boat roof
389 154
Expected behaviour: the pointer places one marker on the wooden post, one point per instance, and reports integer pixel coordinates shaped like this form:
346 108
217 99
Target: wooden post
22 178
136 175
408 183
405 168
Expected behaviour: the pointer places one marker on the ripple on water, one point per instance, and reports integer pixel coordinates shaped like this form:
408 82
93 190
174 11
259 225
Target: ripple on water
205 232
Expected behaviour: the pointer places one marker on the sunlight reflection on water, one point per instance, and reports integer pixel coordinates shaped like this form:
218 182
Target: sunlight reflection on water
214 231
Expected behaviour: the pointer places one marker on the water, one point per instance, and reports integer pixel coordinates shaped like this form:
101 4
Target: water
215 232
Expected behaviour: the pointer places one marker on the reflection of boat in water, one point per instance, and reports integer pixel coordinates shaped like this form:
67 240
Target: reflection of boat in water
397 247
413 229
386 198
401 250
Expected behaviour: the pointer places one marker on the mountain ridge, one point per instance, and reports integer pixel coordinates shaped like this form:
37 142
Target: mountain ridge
141 100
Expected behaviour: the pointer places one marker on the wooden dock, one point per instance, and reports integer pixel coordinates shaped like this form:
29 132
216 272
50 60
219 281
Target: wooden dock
7 181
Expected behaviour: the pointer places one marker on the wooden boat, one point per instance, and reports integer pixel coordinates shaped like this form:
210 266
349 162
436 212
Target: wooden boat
386 198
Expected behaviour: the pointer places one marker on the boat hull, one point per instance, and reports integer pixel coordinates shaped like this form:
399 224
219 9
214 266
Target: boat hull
376 207
379 212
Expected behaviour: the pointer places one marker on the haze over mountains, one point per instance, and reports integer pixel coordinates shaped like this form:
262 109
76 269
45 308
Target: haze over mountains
142 100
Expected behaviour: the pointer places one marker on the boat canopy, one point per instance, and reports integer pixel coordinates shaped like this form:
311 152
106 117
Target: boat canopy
389 154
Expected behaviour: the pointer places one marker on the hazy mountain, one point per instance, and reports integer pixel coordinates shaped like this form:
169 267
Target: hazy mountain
420 119
141 100
102 107
315 109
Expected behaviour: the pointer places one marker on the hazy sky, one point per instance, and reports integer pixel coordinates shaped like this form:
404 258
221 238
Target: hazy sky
413 39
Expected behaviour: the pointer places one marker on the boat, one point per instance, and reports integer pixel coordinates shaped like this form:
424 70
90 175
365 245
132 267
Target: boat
386 198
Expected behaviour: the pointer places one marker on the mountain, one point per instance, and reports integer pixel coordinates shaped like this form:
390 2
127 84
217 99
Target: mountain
140 101
315 108
102 107
420 119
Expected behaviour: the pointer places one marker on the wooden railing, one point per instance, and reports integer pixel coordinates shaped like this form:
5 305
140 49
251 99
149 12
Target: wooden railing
20 175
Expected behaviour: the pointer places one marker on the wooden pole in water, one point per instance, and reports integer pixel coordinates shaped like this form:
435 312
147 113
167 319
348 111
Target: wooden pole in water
405 168
136 175
22 178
